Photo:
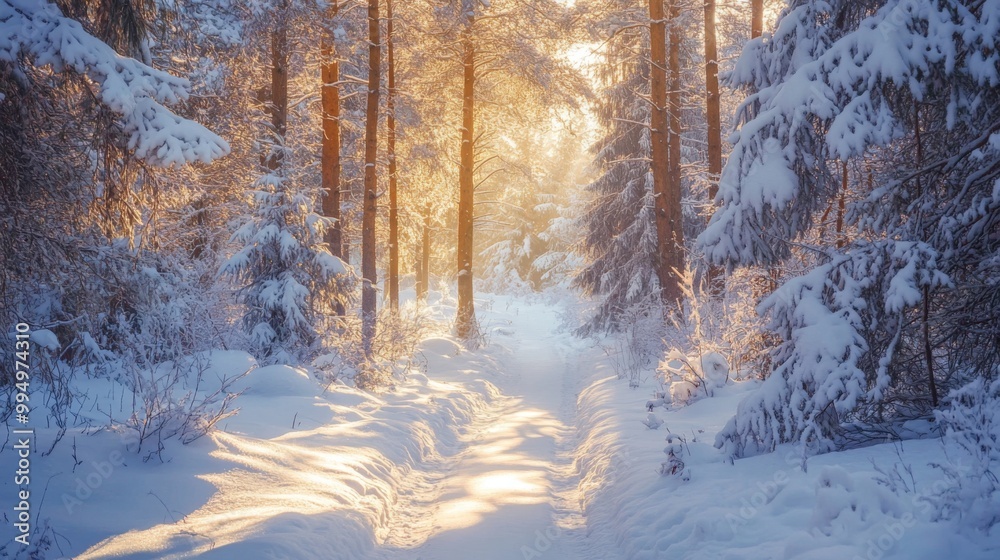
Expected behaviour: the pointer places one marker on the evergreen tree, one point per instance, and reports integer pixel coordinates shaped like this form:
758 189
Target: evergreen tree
620 242
880 327
290 279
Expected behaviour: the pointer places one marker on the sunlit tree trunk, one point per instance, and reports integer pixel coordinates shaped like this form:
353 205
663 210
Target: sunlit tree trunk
659 138
465 321
674 250
756 30
279 87
756 18
714 123
391 148
330 165
424 264
368 274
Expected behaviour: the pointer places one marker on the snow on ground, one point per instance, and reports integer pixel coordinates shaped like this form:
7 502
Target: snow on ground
528 448
763 507
441 466
512 493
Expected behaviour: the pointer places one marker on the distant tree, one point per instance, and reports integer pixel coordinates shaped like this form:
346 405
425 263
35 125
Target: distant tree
620 243
391 156
369 197
504 50
330 164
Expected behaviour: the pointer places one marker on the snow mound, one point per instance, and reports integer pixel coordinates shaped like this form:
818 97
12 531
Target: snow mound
440 346
279 381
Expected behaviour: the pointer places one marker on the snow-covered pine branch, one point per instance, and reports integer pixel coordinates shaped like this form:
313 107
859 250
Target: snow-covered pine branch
820 97
840 325
134 91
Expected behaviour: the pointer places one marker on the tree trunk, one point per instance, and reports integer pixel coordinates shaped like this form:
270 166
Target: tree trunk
465 321
263 99
926 318
330 165
391 148
675 248
714 125
841 207
424 264
756 18
368 274
279 88
659 138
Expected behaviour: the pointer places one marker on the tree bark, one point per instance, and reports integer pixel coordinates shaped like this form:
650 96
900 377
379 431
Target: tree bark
465 320
714 125
330 162
391 153
659 139
279 88
756 18
369 209
675 247
712 101
841 207
424 264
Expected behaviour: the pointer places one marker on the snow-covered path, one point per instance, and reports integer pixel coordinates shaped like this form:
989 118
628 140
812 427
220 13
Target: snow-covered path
473 459
511 493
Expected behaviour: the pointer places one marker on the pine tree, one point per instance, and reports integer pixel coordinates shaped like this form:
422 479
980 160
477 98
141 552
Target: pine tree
290 279
86 132
879 327
620 243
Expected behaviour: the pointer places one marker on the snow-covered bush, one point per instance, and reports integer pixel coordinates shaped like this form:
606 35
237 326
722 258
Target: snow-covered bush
745 338
688 378
694 365
675 450
176 399
972 425
850 504
633 351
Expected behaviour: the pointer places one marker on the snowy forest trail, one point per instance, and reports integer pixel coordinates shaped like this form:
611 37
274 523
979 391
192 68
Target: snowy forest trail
472 459
511 493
